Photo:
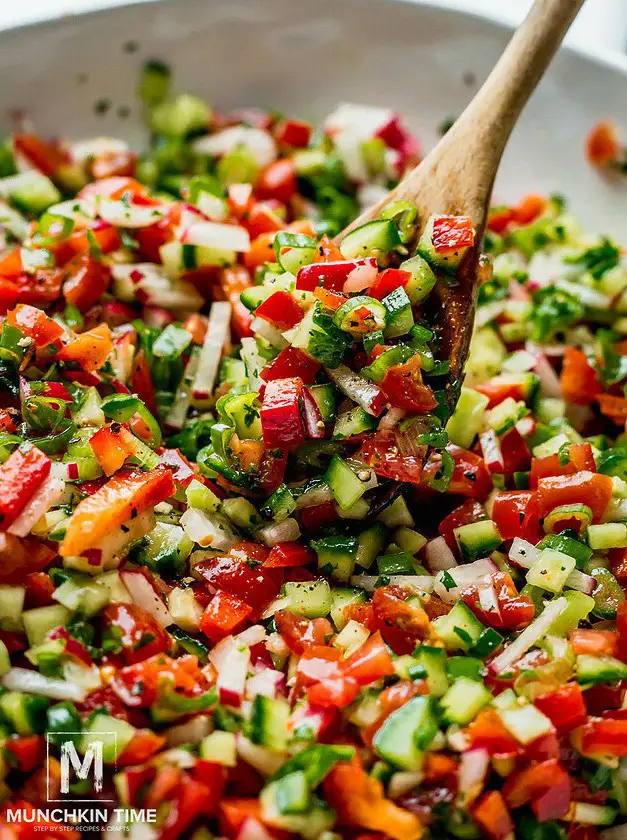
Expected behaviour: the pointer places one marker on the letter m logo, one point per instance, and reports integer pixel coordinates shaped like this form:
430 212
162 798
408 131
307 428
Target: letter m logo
90 766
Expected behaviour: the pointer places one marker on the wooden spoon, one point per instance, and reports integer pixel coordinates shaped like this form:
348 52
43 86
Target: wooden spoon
457 176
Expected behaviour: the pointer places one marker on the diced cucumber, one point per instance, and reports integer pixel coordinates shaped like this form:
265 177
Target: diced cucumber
341 597
293 795
568 545
185 610
200 496
487 352
587 813
11 606
280 504
242 513
551 570
5 659
397 514
477 539
599 669
460 629
26 713
607 595
408 540
467 419
325 398
371 239
267 725
369 544
190 644
608 535
422 280
82 595
577 609
255 295
464 700
62 718
164 550
41 620
433 660
396 563
407 733
525 723
309 598
464 666
447 259
310 826
505 415
114 734
346 485
356 421
220 748
30 191
400 318
336 556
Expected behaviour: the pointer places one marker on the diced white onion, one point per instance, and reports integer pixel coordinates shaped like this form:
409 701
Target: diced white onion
286 531
191 732
32 682
473 768
252 829
219 236
271 334
357 388
218 332
44 497
262 759
417 583
529 636
208 530
232 678
523 553
255 140
581 582
476 574
253 635
127 215
82 150
549 380
402 782
439 556
253 361
145 596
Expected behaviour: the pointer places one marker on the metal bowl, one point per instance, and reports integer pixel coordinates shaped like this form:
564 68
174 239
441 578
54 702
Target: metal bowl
76 77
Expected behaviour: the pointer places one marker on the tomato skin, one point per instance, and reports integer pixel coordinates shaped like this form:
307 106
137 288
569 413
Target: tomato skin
293 132
580 457
225 614
579 381
47 157
277 181
584 487
487 731
86 279
299 633
593 642
451 233
184 673
401 624
404 388
280 309
471 477
515 452
531 782
41 288
514 610
139 632
565 707
389 280
516 515
26 751
287 554
369 663
335 692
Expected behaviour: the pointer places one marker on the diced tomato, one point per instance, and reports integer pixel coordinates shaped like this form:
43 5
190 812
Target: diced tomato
330 274
490 811
530 208
404 388
584 487
487 731
531 782
500 218
285 554
299 633
139 633
142 746
226 614
40 288
138 684
516 515
471 476
20 476
25 752
90 349
391 699
280 413
603 144
607 737
564 707
233 281
555 802
618 564
291 363
234 812
328 251
255 586
593 642
277 181
315 517
359 800
20 557
450 233
579 381
123 497
261 251
39 588
371 661
86 279
613 407
291 132
388 281
189 803
500 388
402 624
577 457
281 310
35 324
106 236
515 452
513 610
336 692
141 382
46 156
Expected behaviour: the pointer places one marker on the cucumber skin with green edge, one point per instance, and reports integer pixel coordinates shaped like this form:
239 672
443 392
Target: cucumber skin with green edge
352 423
607 595
422 280
406 734
380 236
400 318
325 398
342 597
267 725
337 555
433 660
464 700
477 539
369 544
25 712
312 599
253 296
599 669
459 629
346 486
105 725
467 419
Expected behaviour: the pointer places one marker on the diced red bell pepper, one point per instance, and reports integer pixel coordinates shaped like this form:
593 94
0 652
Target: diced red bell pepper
46 156
331 275
281 310
531 782
90 349
404 388
370 662
516 515
280 413
287 554
277 181
450 233
515 452
237 574
189 803
564 707
487 731
579 381
290 363
123 497
614 407
493 817
554 804
35 324
20 476
605 736
336 692
300 633
226 614
388 281
586 642
142 746
139 633
584 487
86 279
577 457
261 219
39 588
291 132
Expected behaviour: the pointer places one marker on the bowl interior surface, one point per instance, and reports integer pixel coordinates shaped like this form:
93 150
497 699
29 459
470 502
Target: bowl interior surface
76 77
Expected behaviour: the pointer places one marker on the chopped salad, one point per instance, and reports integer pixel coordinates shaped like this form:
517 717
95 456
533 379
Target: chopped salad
244 528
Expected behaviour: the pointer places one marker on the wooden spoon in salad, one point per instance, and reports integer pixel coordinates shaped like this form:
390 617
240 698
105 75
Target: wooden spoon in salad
456 177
